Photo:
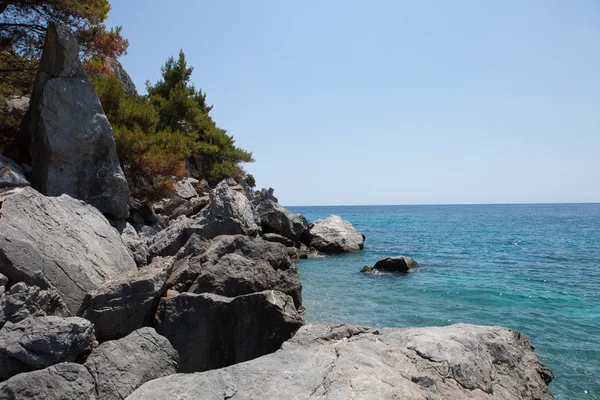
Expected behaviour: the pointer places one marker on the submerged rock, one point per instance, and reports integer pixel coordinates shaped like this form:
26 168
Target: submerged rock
58 241
68 139
211 331
335 235
339 361
396 264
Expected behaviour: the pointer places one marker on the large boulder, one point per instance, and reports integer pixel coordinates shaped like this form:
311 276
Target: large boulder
37 343
234 265
121 366
396 264
11 174
58 241
120 306
335 235
69 139
345 362
186 188
170 240
275 218
59 382
211 331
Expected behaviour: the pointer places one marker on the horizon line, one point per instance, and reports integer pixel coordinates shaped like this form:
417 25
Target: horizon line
449 204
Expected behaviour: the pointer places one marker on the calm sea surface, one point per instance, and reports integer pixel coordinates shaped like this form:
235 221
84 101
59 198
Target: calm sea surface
535 268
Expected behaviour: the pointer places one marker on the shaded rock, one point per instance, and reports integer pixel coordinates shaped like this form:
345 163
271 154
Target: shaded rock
237 265
275 218
24 301
203 188
305 252
211 331
70 141
120 306
344 362
167 206
186 189
3 283
147 213
168 241
119 72
59 382
366 269
195 245
335 235
396 264
136 246
40 342
59 241
11 174
275 238
121 366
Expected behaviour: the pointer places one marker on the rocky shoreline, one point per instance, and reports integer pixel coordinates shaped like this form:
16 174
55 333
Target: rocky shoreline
196 295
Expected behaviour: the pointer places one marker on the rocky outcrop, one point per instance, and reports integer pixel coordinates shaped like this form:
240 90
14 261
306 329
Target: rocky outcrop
211 331
275 218
236 265
186 189
37 343
23 301
69 140
335 235
118 367
119 72
120 306
169 241
135 244
344 362
58 241
59 382
396 264
11 174
275 238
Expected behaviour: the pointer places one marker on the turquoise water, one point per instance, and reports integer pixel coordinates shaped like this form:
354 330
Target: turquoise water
535 268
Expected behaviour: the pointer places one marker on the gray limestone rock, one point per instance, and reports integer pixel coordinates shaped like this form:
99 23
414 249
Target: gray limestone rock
211 331
69 139
120 306
118 71
186 188
275 218
335 235
170 240
11 174
396 264
39 342
275 238
135 244
120 366
59 241
336 361
64 381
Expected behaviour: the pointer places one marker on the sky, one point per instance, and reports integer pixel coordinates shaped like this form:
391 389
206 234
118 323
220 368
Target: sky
392 102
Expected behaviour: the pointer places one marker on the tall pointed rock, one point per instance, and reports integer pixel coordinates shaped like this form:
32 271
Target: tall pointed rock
66 134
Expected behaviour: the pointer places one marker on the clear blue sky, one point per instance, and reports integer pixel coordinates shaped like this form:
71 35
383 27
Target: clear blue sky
392 102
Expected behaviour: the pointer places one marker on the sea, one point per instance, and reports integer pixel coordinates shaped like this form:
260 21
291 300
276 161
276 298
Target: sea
530 267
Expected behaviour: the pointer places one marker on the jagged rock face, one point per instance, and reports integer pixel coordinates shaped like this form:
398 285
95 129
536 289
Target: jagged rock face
135 244
39 342
211 331
234 265
121 366
59 242
118 71
59 382
69 139
344 362
120 306
335 235
11 174
275 218
396 264
186 188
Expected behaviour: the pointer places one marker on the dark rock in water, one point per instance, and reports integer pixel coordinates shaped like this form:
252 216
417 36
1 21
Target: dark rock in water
59 382
275 218
211 331
117 70
120 306
69 139
121 366
24 301
37 343
335 235
11 174
275 238
396 264
237 265
344 362
58 241
366 269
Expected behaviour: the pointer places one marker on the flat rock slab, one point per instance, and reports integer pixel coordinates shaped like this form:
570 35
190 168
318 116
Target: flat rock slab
345 362
121 366
58 241
335 235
